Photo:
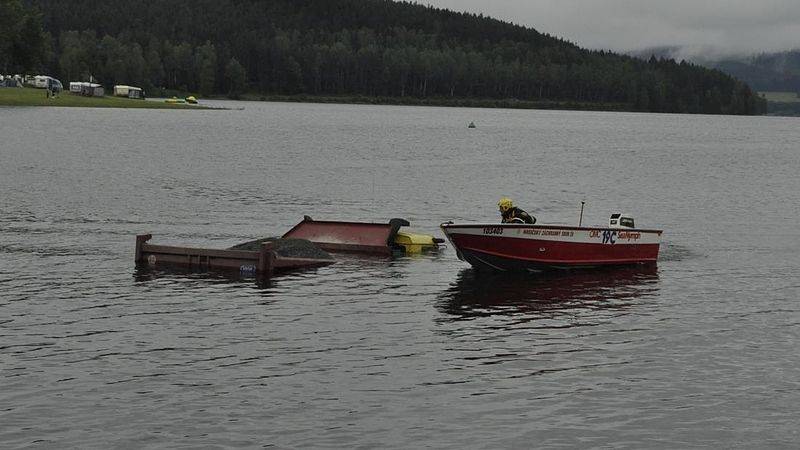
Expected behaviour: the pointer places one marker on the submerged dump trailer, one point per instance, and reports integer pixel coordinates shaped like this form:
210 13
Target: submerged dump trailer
261 263
304 246
363 237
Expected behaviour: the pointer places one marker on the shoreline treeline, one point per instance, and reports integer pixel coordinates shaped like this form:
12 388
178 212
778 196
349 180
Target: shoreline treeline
363 48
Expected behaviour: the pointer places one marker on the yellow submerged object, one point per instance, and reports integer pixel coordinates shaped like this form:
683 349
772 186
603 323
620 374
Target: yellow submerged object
414 243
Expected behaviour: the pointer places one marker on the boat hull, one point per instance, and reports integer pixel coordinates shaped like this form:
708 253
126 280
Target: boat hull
516 247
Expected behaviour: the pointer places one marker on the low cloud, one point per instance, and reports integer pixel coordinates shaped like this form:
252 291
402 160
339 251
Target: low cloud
719 27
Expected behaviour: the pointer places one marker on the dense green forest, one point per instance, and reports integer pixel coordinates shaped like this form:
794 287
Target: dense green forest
22 42
353 47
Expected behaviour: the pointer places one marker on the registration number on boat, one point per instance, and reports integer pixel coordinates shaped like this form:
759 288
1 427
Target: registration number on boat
493 230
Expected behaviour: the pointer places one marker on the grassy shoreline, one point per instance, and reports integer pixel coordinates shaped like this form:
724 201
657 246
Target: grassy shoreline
782 103
38 97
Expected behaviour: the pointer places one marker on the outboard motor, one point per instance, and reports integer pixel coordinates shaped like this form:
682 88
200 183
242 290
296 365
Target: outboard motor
619 220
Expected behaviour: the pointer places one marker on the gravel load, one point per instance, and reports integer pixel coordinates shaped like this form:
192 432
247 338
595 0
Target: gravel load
289 248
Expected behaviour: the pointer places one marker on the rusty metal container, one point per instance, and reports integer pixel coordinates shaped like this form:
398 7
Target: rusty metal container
350 237
262 263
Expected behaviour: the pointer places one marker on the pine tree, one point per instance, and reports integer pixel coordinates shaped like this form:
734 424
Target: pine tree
235 78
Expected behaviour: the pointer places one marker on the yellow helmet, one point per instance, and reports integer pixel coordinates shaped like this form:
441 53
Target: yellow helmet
505 204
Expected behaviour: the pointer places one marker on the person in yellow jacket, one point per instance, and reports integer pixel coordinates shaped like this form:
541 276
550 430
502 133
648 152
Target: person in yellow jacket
512 214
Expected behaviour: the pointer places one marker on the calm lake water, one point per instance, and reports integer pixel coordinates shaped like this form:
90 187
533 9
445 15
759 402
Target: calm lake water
407 352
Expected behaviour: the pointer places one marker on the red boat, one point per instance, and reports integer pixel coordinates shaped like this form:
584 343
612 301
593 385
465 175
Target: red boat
522 247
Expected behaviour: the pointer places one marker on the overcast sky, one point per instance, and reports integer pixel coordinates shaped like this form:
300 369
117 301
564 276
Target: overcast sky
721 26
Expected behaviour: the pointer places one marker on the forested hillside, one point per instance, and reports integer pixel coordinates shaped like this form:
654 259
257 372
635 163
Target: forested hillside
22 43
358 47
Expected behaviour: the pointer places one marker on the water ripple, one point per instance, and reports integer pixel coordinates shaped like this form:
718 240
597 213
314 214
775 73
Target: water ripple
404 352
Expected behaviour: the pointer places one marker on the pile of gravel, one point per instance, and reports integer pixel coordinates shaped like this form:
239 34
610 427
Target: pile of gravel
289 248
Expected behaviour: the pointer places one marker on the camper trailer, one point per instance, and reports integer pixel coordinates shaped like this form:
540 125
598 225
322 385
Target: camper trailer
9 81
39 82
75 87
86 89
122 90
45 82
55 85
92 90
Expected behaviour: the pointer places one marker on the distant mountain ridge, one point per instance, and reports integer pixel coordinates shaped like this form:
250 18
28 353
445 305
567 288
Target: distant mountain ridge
372 48
766 71
776 71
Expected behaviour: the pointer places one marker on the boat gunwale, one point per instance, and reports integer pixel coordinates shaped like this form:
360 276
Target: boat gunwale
447 225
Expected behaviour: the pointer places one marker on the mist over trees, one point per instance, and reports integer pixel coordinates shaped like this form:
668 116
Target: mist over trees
357 47
767 71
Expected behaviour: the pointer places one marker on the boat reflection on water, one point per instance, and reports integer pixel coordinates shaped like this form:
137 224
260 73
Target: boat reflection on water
477 293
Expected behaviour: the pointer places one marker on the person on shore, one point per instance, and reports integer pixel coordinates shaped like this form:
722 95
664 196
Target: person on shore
512 214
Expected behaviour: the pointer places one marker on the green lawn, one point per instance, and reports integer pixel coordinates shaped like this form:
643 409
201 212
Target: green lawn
38 97
781 97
